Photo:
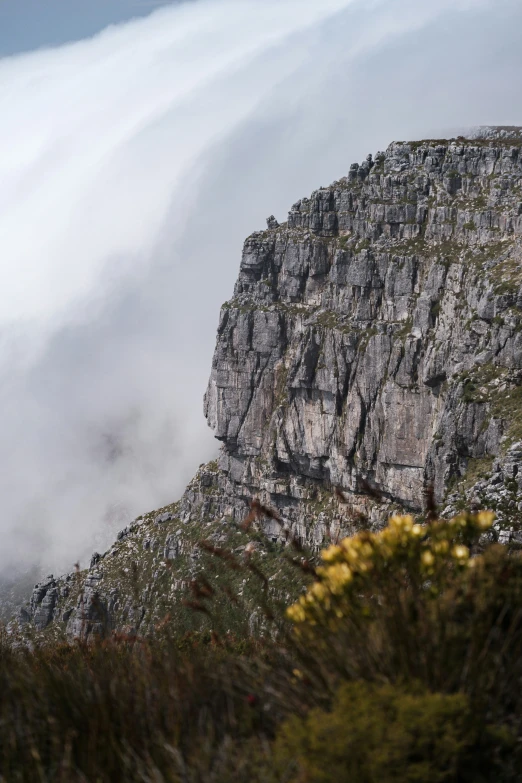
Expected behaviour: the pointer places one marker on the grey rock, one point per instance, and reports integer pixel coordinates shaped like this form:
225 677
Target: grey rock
172 548
42 602
90 619
352 364
43 613
165 517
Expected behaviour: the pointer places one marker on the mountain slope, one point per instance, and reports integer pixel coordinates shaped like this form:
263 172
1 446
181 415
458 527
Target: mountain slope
373 346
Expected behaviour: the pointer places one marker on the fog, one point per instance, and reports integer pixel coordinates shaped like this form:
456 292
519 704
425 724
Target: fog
133 166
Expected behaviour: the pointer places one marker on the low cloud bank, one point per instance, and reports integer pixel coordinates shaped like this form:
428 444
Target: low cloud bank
134 165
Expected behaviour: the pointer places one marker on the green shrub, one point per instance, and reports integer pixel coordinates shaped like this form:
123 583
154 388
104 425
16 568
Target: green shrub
401 662
387 734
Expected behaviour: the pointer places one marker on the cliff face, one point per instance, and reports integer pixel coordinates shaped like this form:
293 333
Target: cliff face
376 336
373 345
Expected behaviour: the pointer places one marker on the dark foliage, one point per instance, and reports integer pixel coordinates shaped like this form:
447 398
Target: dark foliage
410 671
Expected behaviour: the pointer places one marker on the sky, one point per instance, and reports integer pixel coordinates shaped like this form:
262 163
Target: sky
141 145
26 25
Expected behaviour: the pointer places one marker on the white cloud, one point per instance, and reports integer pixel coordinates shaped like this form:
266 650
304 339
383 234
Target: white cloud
84 174
133 165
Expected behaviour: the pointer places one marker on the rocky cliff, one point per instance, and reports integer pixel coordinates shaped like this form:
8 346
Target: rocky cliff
361 329
371 353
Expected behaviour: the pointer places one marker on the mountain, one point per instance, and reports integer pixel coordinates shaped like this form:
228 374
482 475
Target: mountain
370 359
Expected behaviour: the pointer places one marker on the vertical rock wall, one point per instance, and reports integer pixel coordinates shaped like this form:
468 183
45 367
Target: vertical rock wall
366 335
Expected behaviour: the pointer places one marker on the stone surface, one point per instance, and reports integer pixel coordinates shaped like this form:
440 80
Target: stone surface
499 489
42 603
90 617
358 327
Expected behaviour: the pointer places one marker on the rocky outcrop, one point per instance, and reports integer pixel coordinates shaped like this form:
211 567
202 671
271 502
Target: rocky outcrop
43 602
371 355
496 486
90 616
361 331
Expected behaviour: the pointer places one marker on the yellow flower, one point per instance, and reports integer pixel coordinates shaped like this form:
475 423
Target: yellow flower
319 591
485 519
417 530
460 552
427 558
330 554
402 523
350 553
339 576
385 550
296 613
441 547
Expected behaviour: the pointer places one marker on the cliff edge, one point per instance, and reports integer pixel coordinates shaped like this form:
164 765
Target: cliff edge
376 335
371 354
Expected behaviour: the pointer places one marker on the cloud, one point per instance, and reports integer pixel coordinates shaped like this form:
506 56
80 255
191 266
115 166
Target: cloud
135 163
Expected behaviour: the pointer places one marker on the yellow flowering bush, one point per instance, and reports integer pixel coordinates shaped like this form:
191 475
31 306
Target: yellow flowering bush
436 603
424 554
417 632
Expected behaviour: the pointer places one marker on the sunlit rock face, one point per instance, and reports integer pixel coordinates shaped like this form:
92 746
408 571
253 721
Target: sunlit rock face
369 336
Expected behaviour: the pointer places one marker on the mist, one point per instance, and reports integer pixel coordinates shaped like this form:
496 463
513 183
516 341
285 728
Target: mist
133 166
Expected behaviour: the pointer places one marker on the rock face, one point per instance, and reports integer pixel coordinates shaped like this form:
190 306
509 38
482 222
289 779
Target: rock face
363 333
90 617
499 488
43 602
372 352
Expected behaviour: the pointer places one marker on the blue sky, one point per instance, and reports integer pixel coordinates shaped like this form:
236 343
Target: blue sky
26 25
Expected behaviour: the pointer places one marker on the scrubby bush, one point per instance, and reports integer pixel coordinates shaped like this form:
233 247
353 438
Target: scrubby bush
391 734
402 661
127 710
411 602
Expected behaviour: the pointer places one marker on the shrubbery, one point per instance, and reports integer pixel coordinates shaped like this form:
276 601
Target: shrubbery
401 662
410 602
392 734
